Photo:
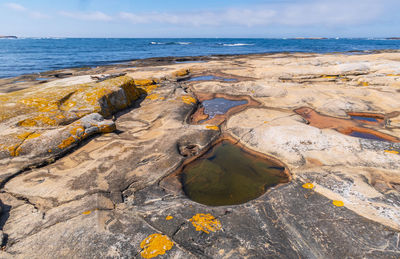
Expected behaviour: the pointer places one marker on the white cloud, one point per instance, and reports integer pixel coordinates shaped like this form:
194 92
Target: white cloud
15 6
314 12
90 16
23 9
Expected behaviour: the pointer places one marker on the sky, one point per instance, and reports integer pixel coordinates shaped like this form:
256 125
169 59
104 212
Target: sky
205 18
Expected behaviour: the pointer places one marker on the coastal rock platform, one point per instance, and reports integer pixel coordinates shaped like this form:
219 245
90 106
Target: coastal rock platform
90 158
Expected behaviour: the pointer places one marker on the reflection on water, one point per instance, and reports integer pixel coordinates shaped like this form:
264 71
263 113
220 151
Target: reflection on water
219 106
210 78
227 175
364 135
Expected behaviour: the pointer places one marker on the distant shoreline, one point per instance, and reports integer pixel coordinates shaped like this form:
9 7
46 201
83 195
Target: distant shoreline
8 37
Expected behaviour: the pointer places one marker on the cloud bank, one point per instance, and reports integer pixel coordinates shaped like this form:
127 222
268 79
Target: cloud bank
329 13
24 10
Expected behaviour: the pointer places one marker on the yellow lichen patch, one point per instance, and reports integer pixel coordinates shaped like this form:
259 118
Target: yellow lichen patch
24 135
364 84
27 123
107 128
144 82
265 122
40 119
308 186
393 75
169 218
154 97
87 212
148 88
33 135
155 245
182 72
188 99
77 130
205 223
216 128
329 77
67 142
392 152
14 150
338 203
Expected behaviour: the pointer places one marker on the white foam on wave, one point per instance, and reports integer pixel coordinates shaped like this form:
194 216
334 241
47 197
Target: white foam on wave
236 44
170 43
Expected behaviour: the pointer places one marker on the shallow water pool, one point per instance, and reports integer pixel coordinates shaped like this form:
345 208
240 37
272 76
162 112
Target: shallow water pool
228 175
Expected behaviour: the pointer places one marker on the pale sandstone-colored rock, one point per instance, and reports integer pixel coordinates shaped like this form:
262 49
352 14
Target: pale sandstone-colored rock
107 196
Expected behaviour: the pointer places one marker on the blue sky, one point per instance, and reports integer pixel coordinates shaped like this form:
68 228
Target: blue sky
206 18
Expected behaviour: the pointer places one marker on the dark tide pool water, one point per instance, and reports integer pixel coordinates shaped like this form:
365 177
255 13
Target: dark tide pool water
210 78
363 118
358 134
219 106
227 175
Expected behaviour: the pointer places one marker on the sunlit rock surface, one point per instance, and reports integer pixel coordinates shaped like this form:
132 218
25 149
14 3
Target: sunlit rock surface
89 167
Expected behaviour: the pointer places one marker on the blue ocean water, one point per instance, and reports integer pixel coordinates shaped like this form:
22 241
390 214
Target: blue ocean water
31 55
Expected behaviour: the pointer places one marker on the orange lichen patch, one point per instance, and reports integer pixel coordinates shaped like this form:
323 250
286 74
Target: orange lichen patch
338 203
77 131
148 88
42 104
41 119
46 106
188 99
393 75
107 128
27 123
153 96
364 84
392 152
155 245
14 150
169 218
181 73
67 142
329 76
24 135
87 212
265 122
308 186
148 85
216 128
33 135
206 223
144 82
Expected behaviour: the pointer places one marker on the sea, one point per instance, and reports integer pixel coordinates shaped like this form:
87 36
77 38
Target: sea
35 55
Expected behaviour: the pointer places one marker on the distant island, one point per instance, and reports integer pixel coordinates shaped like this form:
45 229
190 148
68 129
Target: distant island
393 38
8 37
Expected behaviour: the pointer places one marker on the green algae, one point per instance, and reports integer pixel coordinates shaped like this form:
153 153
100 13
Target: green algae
228 175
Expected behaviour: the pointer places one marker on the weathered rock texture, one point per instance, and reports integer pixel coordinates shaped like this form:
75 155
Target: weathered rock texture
69 191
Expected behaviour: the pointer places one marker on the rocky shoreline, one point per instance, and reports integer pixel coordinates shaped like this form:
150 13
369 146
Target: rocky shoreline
88 157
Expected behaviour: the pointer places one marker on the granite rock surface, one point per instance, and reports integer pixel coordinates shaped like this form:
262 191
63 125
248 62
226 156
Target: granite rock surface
87 164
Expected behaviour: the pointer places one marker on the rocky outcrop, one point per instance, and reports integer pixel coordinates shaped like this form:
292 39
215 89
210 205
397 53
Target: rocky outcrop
110 195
